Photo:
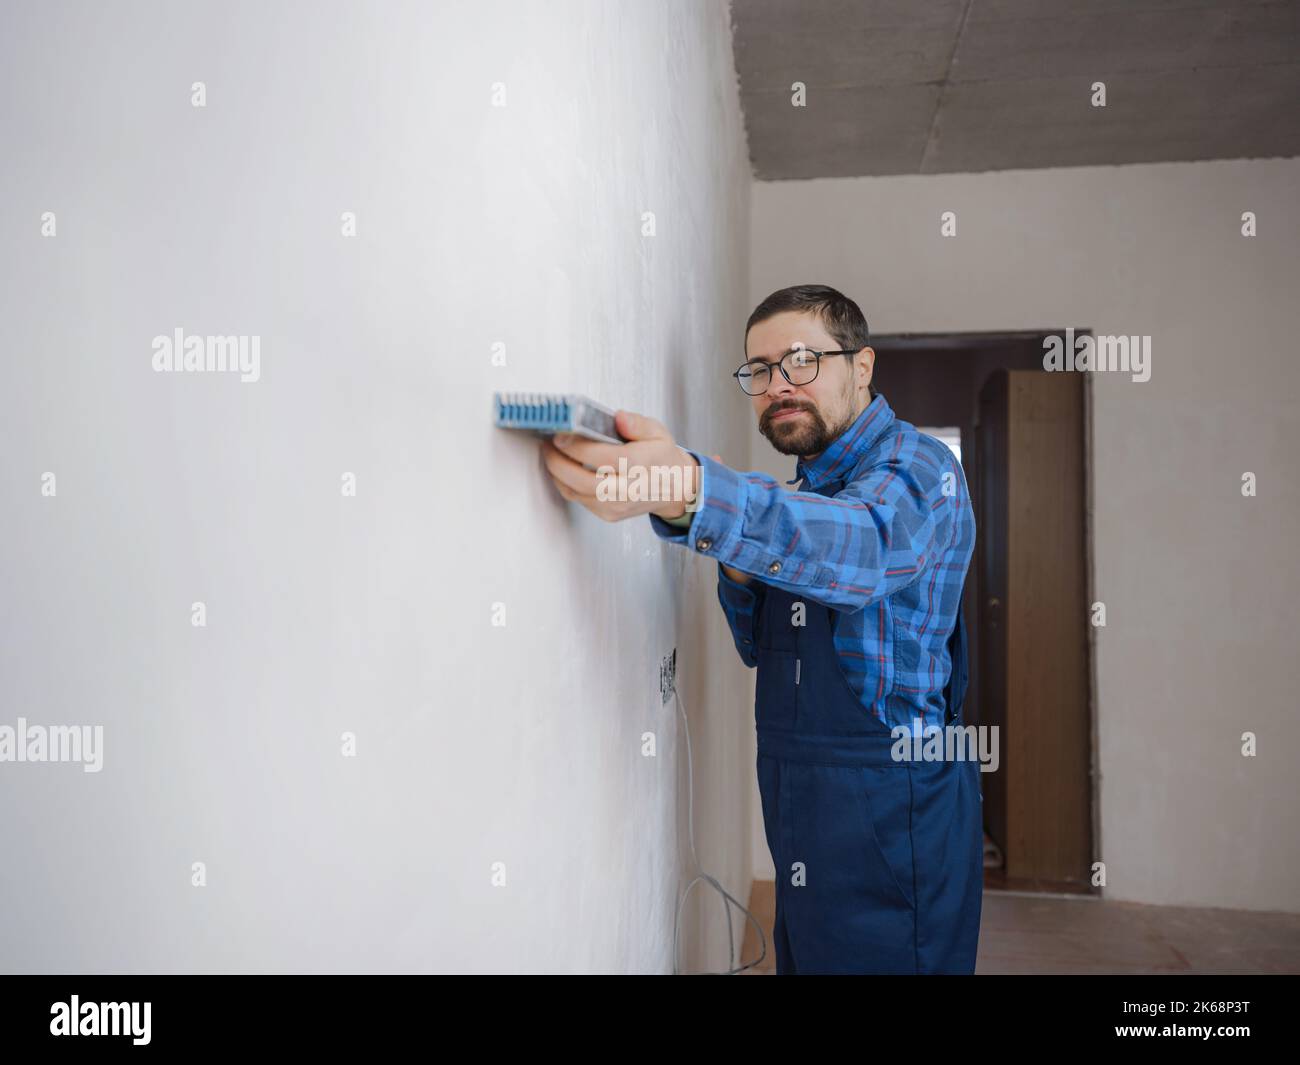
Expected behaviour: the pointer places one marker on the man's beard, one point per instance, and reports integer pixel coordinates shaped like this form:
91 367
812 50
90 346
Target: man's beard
805 435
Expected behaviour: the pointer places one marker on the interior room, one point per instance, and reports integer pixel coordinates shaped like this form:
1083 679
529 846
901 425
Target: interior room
367 693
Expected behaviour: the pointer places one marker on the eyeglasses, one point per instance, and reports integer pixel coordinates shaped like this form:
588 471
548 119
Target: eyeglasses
799 366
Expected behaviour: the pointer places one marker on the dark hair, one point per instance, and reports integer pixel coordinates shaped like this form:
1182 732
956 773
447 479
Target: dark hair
841 316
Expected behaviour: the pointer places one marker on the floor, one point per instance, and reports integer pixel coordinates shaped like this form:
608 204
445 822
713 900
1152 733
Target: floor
1024 932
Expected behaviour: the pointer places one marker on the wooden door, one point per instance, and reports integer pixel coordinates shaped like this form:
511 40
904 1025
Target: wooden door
1034 652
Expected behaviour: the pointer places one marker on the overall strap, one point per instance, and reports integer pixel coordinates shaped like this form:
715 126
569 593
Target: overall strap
954 695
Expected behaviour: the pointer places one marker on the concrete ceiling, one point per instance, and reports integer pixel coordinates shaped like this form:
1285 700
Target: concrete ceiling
945 86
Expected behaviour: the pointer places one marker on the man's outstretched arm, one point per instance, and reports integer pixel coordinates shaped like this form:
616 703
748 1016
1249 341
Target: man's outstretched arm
879 534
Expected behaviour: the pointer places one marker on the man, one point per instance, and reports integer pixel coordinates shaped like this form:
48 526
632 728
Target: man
846 596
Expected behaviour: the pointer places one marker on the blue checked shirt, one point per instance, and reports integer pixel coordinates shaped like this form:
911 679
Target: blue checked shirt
881 529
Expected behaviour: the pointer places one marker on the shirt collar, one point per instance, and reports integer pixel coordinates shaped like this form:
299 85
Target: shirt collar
840 459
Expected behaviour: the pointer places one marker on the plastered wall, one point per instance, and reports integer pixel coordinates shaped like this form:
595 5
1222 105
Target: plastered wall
350 518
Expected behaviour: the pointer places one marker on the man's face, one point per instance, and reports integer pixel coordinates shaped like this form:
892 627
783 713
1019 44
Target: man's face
804 419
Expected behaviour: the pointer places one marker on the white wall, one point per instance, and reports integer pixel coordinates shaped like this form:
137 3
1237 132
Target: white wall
370 614
1200 584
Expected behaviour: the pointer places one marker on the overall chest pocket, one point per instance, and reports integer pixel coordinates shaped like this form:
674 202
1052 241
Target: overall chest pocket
776 693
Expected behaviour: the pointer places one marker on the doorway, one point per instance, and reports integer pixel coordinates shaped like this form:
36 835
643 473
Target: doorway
1023 436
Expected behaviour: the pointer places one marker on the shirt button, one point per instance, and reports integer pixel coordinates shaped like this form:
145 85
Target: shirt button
704 543
774 567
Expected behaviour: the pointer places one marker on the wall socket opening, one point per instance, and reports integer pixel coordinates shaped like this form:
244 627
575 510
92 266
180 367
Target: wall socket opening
668 676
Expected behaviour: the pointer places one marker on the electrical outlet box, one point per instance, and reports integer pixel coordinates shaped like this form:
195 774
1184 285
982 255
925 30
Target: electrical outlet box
668 676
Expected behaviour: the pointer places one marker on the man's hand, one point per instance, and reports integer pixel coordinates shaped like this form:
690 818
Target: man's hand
736 575
648 475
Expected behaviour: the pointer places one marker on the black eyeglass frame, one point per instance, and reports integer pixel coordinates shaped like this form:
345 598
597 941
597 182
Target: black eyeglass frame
780 365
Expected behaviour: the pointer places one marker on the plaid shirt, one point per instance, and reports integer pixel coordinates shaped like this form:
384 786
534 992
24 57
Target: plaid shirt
876 531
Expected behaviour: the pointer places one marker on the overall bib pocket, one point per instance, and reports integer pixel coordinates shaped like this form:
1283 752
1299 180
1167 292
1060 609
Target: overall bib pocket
776 692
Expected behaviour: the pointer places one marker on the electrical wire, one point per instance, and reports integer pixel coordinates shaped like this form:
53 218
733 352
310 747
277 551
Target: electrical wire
700 874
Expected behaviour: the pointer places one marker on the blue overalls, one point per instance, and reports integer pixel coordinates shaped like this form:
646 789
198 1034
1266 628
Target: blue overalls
879 863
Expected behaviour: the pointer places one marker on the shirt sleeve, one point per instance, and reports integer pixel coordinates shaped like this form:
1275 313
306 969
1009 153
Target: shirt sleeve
880 533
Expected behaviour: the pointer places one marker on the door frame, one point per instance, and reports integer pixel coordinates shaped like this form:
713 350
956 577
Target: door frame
970 342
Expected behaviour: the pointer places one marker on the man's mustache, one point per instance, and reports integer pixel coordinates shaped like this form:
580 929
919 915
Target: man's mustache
772 412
